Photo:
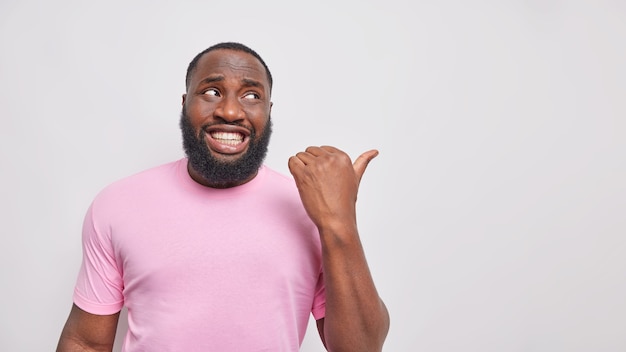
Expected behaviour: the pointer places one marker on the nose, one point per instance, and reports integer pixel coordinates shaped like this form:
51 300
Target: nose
229 109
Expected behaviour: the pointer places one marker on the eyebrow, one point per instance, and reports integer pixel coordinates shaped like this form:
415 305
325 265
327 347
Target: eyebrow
246 81
252 83
212 79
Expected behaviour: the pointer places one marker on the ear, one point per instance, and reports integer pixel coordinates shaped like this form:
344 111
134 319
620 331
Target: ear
184 97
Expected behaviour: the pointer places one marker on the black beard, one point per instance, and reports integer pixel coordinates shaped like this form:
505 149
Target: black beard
217 173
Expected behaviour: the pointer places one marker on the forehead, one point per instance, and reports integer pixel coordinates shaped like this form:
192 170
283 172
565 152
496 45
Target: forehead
230 64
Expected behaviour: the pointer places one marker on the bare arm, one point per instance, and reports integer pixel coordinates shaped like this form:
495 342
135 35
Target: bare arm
88 332
356 317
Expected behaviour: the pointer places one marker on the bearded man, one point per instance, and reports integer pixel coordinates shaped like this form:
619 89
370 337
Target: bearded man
218 252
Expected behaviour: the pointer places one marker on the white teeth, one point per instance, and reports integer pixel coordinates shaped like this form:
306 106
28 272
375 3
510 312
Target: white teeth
228 137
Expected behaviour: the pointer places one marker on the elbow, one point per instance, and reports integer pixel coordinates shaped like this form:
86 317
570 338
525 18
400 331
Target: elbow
369 338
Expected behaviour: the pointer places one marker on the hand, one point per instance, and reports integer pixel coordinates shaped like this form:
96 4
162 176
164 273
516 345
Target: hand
328 183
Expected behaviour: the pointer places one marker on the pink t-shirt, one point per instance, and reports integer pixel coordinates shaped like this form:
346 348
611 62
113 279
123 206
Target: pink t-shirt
202 269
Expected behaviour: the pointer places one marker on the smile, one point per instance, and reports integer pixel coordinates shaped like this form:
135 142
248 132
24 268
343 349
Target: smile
229 138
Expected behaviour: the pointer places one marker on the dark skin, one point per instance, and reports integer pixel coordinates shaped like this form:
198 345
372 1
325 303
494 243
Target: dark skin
88 332
227 94
356 318
232 86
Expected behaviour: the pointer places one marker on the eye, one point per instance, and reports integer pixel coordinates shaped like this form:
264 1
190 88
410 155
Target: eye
251 95
212 91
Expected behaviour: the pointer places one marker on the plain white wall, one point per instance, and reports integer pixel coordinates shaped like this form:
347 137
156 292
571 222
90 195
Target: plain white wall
493 219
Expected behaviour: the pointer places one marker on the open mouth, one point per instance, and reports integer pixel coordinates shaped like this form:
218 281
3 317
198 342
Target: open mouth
228 138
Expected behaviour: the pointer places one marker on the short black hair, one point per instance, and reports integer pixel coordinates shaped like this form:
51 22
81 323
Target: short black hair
231 46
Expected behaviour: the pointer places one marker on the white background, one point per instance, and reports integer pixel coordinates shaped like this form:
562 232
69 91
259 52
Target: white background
493 219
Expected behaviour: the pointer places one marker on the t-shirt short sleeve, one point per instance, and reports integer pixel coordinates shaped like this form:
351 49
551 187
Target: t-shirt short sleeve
99 285
319 300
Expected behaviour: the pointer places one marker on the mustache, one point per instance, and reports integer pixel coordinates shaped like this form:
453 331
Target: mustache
234 123
202 129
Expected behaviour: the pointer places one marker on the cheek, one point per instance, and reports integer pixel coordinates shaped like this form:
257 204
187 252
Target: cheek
259 118
199 112
260 124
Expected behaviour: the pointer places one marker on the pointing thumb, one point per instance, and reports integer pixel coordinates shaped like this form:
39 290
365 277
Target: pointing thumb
360 164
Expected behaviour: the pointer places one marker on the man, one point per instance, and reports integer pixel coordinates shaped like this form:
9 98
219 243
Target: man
216 252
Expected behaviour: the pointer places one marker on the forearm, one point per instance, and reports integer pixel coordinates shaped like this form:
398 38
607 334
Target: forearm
356 318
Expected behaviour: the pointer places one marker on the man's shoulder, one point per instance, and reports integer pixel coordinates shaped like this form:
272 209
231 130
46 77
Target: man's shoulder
160 170
277 178
156 176
275 174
